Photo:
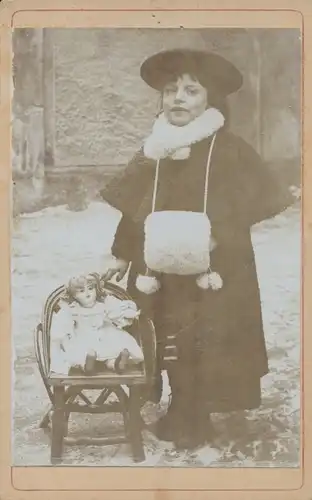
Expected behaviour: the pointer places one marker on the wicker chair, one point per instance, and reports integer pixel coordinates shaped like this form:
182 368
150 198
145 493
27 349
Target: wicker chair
67 393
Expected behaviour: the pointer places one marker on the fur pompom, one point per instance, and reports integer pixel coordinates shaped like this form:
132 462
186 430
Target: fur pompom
209 280
215 281
147 284
203 281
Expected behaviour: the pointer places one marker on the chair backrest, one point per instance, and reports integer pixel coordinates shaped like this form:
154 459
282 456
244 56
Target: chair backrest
143 330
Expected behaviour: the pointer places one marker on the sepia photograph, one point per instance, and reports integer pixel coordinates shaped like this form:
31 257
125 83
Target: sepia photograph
156 247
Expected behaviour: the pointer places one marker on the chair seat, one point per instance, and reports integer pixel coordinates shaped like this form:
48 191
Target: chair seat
100 379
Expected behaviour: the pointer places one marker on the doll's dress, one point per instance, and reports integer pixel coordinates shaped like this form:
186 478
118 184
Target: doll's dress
77 330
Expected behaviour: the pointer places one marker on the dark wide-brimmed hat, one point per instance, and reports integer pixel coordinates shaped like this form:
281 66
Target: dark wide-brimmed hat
208 67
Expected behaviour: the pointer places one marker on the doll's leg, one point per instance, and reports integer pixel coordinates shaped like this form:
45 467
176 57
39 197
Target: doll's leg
135 351
136 357
120 363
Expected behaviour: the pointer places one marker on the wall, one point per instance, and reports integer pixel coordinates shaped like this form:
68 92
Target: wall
27 118
99 94
281 92
79 101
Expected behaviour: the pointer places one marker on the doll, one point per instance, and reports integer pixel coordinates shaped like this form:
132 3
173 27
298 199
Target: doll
88 328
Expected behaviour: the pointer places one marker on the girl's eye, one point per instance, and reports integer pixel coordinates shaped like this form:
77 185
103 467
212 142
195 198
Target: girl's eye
170 90
191 91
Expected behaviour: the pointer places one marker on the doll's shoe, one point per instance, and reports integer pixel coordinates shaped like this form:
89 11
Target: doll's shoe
90 363
122 361
76 370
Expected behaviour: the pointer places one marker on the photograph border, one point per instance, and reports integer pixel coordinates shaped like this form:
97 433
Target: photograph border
23 17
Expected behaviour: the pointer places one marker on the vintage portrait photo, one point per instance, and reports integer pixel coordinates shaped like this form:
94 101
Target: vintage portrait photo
156 247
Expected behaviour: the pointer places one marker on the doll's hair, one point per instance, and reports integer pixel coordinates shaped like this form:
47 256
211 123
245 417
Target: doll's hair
77 282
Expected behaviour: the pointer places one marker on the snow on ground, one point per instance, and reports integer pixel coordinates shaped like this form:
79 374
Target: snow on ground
51 245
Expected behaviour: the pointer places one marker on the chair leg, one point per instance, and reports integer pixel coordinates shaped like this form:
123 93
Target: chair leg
135 427
44 424
66 418
46 420
124 401
58 425
68 401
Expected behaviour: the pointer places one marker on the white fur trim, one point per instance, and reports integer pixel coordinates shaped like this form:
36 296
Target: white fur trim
177 242
147 284
203 281
166 139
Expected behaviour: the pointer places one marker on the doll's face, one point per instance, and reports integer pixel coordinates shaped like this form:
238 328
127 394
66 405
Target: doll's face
85 295
184 100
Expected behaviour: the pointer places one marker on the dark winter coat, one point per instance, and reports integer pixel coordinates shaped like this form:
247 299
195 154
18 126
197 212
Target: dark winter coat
218 334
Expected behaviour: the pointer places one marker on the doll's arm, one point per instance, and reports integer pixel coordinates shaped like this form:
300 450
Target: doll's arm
62 327
120 312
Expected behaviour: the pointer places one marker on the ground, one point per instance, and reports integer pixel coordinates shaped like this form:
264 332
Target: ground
51 245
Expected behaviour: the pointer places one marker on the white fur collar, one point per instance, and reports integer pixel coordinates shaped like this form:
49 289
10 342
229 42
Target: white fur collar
170 140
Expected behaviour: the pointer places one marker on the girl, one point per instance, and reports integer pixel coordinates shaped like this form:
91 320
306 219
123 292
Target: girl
208 321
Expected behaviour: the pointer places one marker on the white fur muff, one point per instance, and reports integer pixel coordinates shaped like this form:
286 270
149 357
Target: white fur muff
177 242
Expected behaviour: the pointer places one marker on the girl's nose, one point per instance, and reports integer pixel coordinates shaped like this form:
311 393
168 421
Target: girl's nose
179 97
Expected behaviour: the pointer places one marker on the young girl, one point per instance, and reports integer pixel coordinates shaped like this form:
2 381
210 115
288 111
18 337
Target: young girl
209 328
89 328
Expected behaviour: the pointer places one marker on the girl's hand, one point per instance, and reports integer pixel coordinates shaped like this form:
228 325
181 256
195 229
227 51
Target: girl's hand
118 267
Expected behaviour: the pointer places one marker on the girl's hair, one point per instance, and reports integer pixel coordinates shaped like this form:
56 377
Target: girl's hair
215 98
77 282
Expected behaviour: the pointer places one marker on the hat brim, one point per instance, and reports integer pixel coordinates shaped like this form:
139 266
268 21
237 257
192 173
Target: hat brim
208 67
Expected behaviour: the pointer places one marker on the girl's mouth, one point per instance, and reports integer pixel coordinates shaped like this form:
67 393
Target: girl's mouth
177 108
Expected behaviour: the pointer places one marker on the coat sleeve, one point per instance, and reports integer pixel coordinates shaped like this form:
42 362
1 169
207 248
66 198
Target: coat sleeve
259 193
127 238
125 193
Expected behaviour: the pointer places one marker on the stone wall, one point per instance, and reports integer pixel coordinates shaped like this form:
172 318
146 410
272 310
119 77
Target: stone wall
79 103
99 94
281 93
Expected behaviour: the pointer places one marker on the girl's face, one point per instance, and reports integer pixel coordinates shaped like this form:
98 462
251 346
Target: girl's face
85 295
184 100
